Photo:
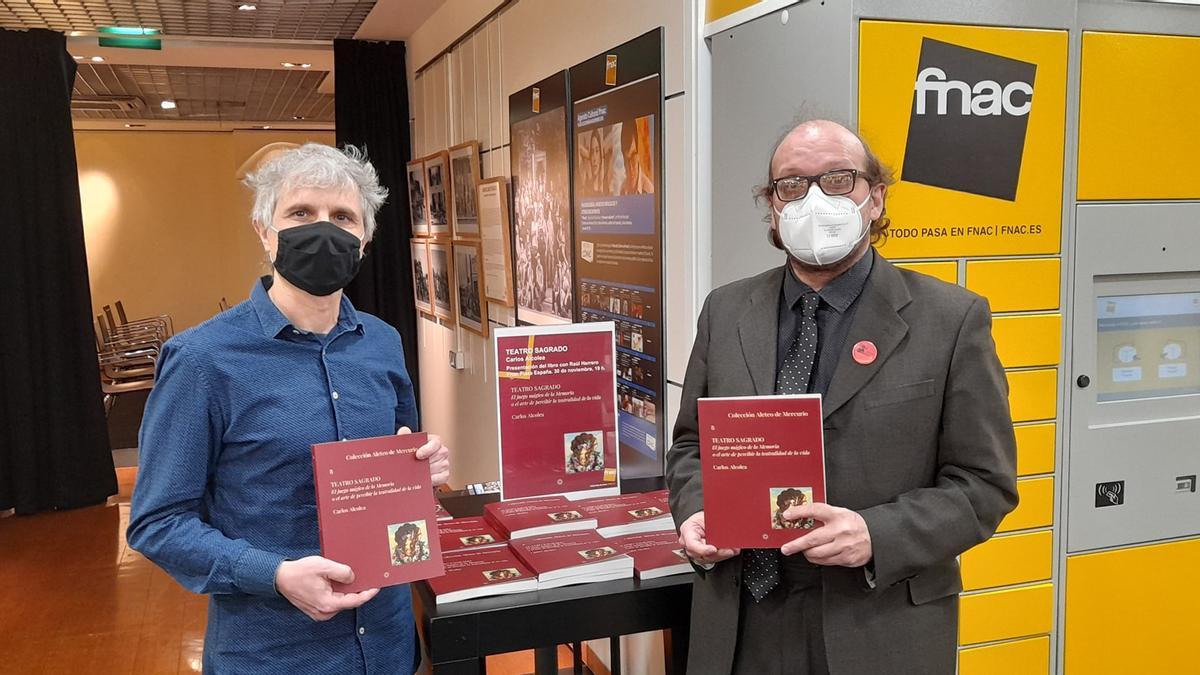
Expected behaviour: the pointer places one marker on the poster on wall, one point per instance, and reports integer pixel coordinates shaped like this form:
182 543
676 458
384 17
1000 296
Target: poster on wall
556 411
464 174
439 197
541 185
416 198
468 273
492 196
616 117
971 120
440 275
420 262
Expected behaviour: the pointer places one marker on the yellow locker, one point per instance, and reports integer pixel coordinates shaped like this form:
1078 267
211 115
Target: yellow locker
1010 613
1008 560
1026 340
1016 285
1036 507
1033 394
947 271
1019 657
1035 448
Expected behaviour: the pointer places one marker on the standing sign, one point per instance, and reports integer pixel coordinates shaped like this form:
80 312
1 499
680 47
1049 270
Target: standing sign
556 399
616 115
541 184
972 120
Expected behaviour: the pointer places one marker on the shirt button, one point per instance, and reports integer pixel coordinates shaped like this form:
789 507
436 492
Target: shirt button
362 631
335 396
295 332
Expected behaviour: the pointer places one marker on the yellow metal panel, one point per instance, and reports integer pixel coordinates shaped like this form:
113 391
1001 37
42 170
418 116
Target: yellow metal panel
1133 610
1033 394
719 9
946 271
1036 508
1011 613
1028 340
931 220
1008 560
1138 99
1016 285
1026 657
1035 448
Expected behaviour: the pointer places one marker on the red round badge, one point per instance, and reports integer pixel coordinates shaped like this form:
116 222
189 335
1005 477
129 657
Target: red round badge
865 352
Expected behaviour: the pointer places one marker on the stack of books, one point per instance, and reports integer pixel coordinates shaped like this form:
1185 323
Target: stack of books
464 533
627 514
536 516
655 554
566 558
481 572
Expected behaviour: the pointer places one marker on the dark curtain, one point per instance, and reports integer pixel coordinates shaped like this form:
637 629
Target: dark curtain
372 113
55 452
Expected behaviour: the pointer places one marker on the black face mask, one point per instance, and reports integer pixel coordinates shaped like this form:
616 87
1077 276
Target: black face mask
318 258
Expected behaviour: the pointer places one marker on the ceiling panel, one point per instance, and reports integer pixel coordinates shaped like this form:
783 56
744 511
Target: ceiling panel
277 19
202 94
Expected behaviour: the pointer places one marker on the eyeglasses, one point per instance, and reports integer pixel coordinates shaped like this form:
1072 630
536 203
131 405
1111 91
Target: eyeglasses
833 183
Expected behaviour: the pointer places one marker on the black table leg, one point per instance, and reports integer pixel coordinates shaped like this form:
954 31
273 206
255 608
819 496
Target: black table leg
545 660
577 659
614 655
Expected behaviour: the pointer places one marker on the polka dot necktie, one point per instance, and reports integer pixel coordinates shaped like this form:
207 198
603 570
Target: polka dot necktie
762 564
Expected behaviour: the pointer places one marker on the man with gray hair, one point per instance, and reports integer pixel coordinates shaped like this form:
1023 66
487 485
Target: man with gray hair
224 500
919 447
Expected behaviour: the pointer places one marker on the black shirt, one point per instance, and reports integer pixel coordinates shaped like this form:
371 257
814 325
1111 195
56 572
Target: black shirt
835 313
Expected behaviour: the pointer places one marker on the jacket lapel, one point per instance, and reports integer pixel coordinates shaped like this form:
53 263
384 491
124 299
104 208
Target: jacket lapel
758 331
876 320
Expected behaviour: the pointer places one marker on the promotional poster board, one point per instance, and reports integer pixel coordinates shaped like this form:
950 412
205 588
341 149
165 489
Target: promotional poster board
616 118
971 120
541 186
556 401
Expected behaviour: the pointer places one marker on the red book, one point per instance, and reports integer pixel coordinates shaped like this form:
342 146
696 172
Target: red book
441 512
759 455
539 515
626 514
375 510
482 572
655 554
463 533
566 558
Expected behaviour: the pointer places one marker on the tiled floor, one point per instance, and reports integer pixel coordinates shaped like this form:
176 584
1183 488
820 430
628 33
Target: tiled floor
76 600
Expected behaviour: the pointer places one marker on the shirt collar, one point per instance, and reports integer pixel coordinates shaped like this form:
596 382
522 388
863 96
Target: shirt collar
839 293
274 322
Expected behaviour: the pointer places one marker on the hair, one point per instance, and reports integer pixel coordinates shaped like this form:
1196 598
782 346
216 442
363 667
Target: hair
788 495
404 531
629 134
874 171
314 165
581 441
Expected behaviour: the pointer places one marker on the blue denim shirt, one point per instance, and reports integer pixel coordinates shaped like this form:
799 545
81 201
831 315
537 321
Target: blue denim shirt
225 484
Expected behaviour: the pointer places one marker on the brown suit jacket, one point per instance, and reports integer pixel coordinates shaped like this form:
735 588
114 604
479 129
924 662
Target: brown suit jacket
919 442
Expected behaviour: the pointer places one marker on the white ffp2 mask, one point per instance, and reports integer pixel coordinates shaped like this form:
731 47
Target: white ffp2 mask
821 230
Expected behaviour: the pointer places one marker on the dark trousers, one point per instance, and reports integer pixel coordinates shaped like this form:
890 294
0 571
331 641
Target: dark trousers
782 634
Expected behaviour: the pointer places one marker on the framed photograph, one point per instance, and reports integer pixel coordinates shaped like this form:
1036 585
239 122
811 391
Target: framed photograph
440 274
421 286
464 175
468 272
494 222
418 208
439 197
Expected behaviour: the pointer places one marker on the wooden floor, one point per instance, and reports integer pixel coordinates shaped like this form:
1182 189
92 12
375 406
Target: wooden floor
76 600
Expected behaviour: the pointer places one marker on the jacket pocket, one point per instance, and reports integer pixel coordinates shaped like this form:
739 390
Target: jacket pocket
935 583
900 394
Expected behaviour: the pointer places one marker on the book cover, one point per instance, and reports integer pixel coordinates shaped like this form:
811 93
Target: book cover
539 515
441 512
482 572
626 514
375 510
760 455
463 533
655 554
566 558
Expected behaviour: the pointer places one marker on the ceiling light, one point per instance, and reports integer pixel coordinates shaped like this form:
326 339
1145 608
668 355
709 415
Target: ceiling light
75 33
97 59
298 117
134 126
77 58
247 7
168 104
289 64
265 127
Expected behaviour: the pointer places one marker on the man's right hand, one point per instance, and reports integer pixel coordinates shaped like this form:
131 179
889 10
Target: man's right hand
691 538
306 584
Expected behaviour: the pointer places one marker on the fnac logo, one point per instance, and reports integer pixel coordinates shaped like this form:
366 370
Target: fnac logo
969 116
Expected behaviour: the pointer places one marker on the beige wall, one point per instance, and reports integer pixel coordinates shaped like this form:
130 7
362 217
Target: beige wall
165 220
